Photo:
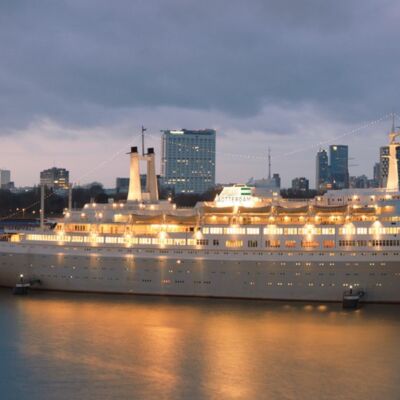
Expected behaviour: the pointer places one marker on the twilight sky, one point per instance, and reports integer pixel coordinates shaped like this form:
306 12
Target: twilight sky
79 77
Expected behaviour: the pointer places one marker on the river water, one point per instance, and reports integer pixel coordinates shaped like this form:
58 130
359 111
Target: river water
76 346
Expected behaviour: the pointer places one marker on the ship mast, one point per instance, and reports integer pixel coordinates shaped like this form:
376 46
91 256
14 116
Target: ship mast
143 131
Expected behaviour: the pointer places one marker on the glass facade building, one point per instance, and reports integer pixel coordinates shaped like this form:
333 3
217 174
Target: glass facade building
188 160
300 184
339 166
322 178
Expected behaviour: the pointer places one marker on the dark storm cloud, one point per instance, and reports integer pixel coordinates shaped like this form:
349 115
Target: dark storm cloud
83 62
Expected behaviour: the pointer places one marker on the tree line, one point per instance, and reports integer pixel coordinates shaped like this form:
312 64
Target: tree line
27 204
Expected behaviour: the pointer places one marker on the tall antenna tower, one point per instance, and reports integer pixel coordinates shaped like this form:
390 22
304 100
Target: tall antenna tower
269 163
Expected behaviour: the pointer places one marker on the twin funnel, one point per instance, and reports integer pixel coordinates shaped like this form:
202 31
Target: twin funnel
135 191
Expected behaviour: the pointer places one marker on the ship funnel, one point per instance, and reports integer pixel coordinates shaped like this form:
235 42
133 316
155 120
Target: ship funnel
393 173
151 181
135 192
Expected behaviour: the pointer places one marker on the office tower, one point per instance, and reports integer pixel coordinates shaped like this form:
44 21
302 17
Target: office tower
376 174
322 170
5 178
300 184
383 165
55 178
359 182
339 166
277 179
188 160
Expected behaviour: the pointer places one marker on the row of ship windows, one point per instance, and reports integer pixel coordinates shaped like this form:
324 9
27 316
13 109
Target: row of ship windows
270 262
171 271
328 244
273 243
272 230
177 281
307 230
370 243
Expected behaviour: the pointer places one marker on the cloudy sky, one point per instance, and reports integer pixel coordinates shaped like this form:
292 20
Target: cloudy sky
79 77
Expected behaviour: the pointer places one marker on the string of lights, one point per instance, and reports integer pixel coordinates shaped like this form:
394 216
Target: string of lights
106 161
351 132
89 172
366 125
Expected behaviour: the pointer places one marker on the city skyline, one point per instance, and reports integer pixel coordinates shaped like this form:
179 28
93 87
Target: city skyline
76 96
116 164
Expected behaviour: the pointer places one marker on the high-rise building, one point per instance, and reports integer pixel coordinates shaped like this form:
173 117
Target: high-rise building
359 182
277 179
300 184
55 178
376 174
322 178
188 160
122 185
5 178
384 164
339 166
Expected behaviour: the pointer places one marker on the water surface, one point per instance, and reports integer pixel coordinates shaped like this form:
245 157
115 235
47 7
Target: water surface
74 346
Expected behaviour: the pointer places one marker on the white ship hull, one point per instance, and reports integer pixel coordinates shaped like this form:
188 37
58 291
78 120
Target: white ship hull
253 275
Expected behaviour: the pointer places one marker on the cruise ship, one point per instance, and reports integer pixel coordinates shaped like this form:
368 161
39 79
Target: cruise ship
241 245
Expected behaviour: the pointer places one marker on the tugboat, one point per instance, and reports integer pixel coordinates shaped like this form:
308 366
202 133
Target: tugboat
22 287
350 299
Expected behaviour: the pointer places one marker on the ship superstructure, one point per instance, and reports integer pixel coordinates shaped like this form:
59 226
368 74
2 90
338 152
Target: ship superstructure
239 245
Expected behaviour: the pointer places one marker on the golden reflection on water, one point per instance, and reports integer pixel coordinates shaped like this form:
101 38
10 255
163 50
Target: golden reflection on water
105 338
183 348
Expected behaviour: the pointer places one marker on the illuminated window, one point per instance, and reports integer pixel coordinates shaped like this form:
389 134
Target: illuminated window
273 230
273 243
234 243
234 231
216 230
310 244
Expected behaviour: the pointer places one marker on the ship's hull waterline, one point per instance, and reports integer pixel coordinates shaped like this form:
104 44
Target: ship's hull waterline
256 276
